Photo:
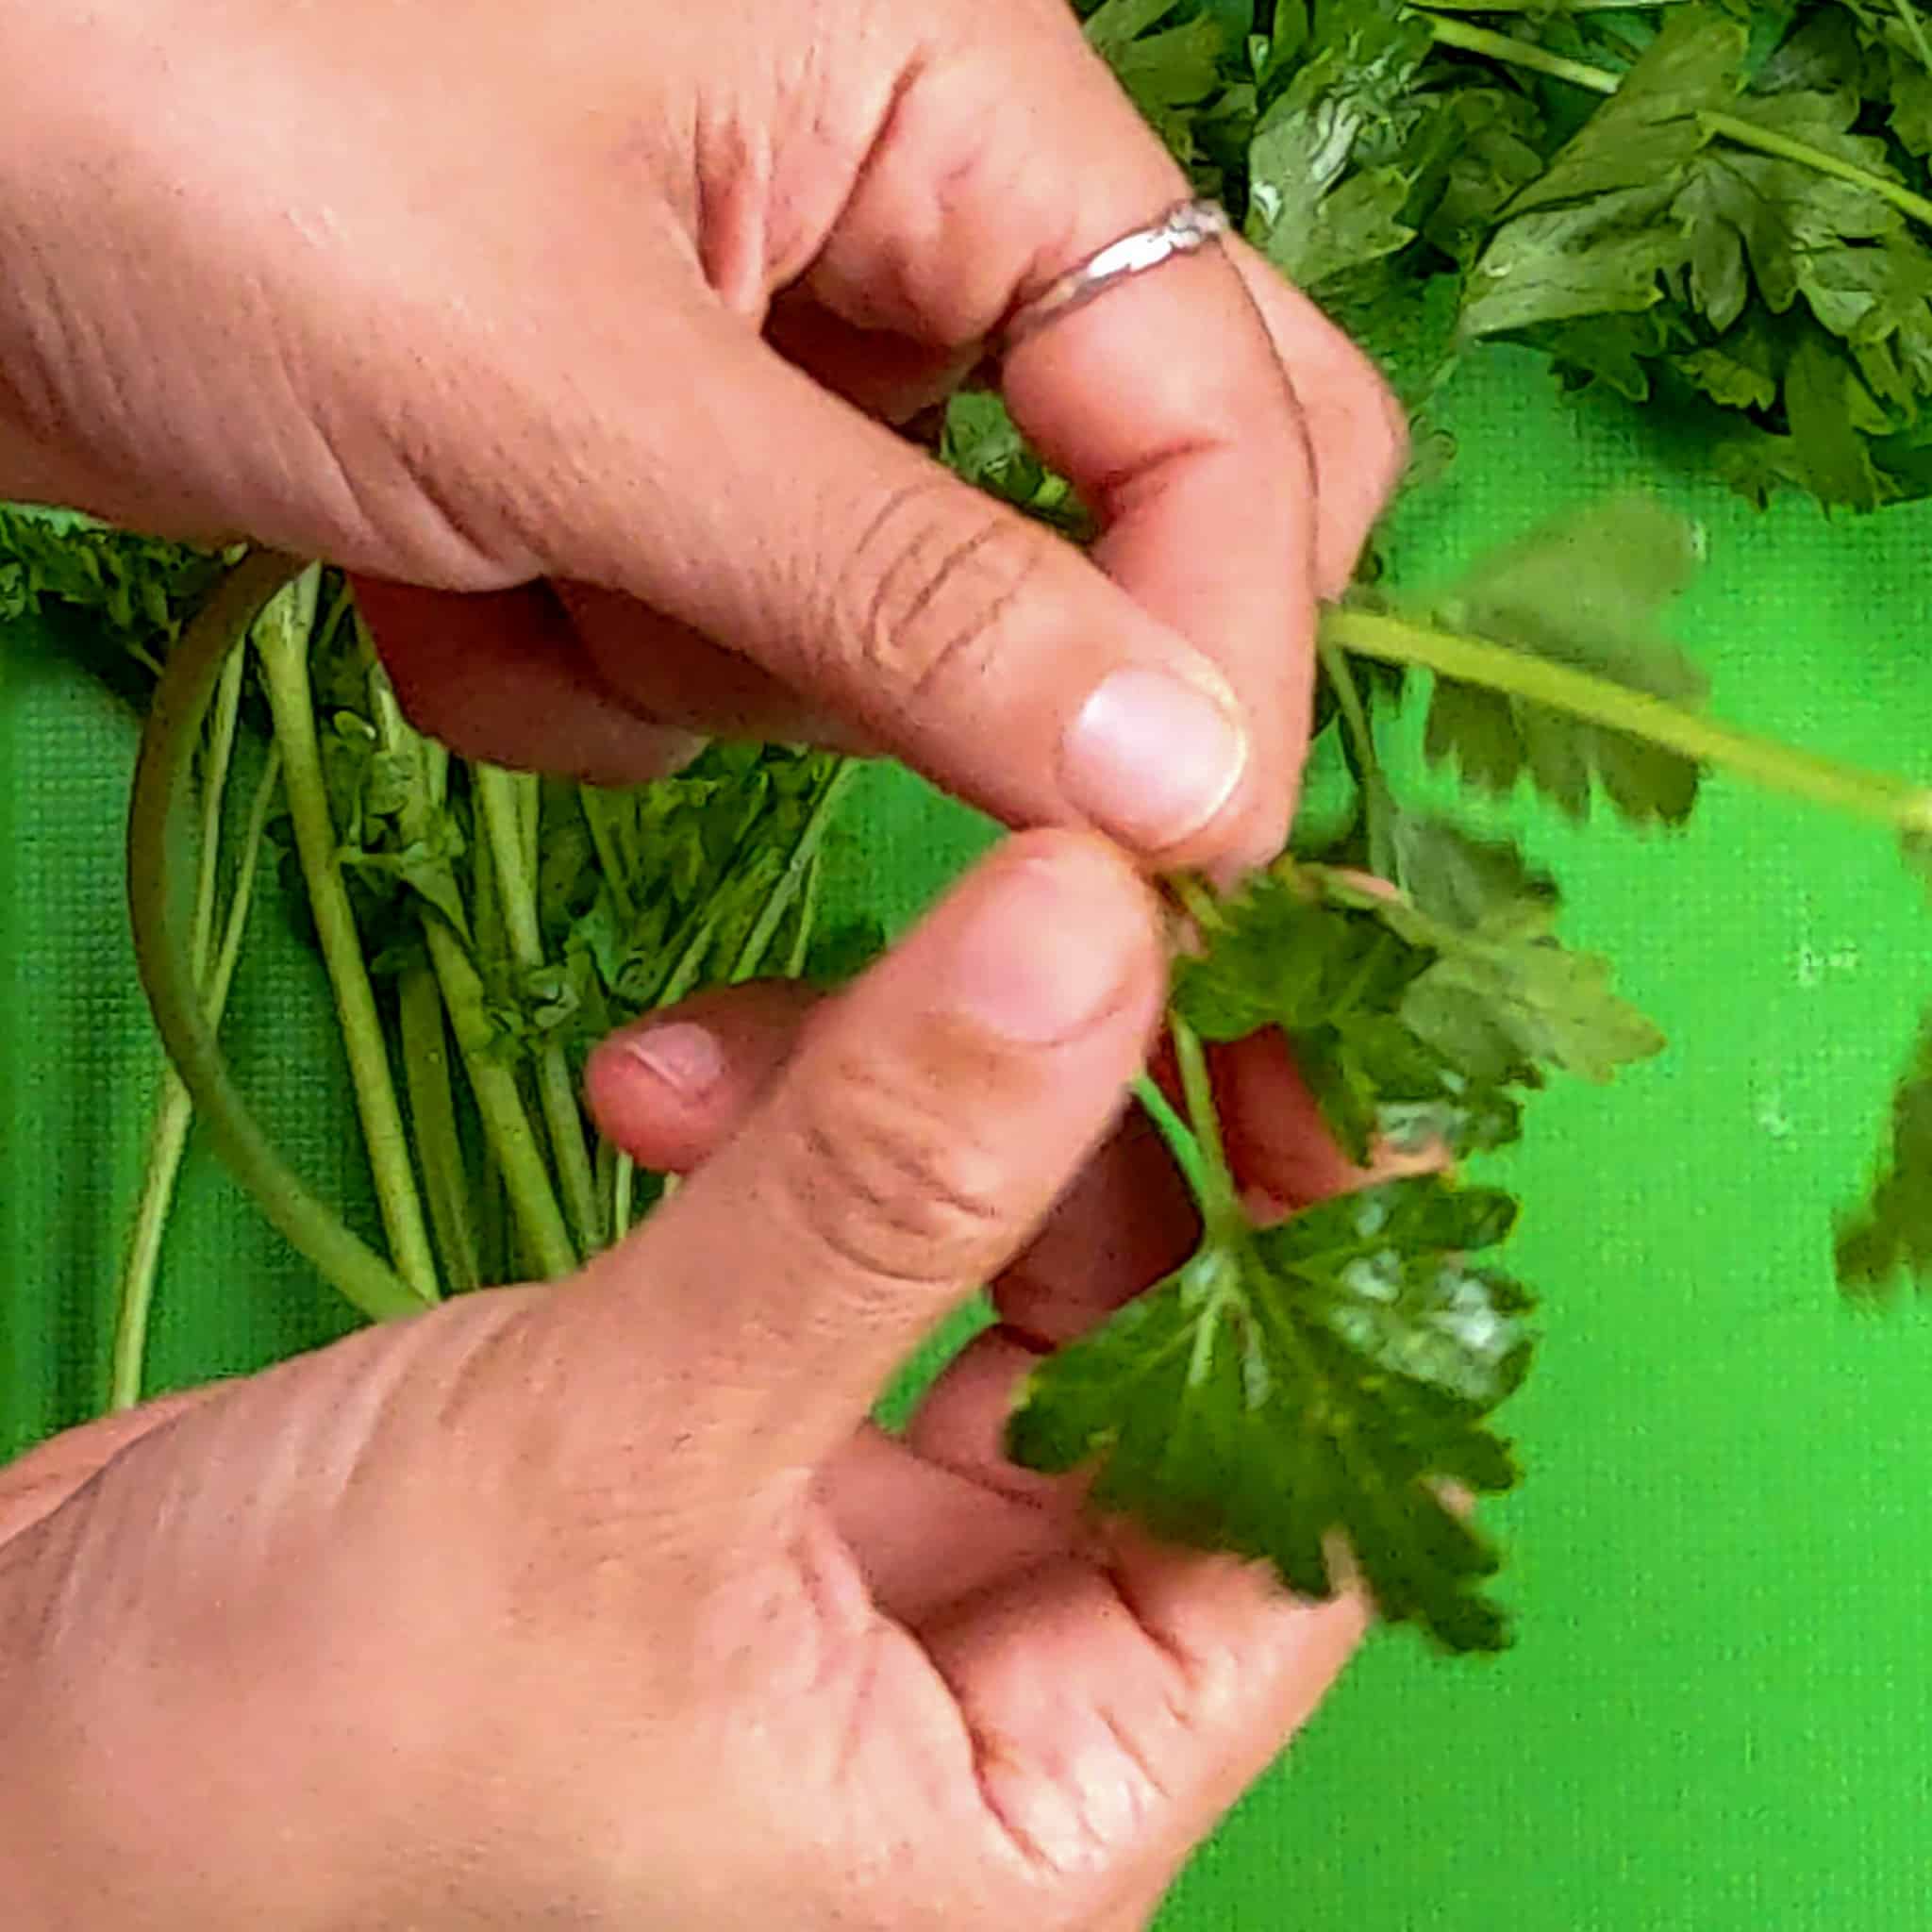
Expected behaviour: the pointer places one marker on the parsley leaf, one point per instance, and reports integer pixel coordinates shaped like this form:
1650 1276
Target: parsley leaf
1592 235
1754 241
1586 592
1420 1014
1333 977
1297 1387
1310 212
137 590
1505 998
1890 1235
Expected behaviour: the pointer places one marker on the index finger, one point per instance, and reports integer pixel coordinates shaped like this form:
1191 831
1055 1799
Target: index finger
1163 400
1163 403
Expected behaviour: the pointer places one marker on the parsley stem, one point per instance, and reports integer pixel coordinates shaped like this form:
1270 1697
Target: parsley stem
596 811
504 799
1514 53
168 1141
1909 15
507 1127
751 957
216 761
606 1163
799 877
702 927
1180 1141
162 782
1197 902
282 636
622 1211
1377 806
432 1111
807 916
516 1173
1220 1202
1893 802
1767 140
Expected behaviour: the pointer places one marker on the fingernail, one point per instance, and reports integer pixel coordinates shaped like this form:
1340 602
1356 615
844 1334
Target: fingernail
685 1058
1151 758
1051 945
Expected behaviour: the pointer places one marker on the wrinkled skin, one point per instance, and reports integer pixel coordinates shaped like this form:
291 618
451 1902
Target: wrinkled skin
603 1605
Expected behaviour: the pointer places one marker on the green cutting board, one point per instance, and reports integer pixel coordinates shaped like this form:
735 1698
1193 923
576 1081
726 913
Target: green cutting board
1718 1716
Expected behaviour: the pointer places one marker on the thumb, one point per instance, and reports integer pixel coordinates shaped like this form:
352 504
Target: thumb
924 1126
948 628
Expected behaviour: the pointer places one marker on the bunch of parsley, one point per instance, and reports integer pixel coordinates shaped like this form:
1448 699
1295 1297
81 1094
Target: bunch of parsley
1718 209
481 929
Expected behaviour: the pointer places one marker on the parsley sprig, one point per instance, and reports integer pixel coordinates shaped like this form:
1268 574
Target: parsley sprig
1717 209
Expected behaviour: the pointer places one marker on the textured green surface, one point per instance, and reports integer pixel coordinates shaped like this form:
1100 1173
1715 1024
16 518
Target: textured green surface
1719 1715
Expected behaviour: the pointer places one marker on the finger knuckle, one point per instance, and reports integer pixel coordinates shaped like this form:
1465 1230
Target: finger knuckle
926 597
890 1182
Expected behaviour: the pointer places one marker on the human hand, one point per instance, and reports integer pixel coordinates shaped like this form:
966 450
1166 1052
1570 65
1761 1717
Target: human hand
603 1605
596 315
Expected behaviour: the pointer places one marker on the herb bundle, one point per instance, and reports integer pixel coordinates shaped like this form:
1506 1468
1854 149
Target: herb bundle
1720 210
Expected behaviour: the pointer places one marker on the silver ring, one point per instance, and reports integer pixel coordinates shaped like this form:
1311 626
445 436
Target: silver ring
1184 229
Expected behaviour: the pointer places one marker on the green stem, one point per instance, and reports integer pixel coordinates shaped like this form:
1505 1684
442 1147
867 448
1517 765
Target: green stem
1893 802
800 872
807 917
689 959
596 811
168 1142
510 1141
162 784
503 800
622 1211
1515 52
494 1233
500 1103
282 636
214 784
607 1189
1767 140
1198 901
433 1114
1379 806
1180 1141
750 955
168 1130
563 1120
1220 1199
529 790
341 610
1915 32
